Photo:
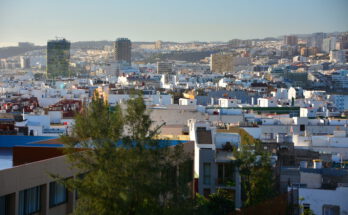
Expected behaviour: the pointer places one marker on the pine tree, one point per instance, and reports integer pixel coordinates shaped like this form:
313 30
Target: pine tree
124 170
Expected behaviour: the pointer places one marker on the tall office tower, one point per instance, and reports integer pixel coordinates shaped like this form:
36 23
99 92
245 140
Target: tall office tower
58 57
123 48
342 43
158 44
316 40
221 63
25 62
329 44
290 40
164 68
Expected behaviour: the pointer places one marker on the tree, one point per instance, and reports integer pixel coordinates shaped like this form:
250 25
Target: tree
219 203
256 172
121 168
305 211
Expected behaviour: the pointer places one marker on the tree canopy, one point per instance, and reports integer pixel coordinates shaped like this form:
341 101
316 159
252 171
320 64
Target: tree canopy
256 172
121 168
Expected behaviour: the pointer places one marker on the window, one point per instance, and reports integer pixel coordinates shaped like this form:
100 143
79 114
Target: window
331 210
206 173
226 174
302 127
306 206
29 201
3 205
58 194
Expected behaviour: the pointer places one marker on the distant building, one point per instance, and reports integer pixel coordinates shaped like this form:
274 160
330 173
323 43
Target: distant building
329 44
290 40
337 56
305 51
158 44
221 63
123 47
164 67
340 101
340 78
58 57
25 62
297 78
316 40
236 43
25 44
342 43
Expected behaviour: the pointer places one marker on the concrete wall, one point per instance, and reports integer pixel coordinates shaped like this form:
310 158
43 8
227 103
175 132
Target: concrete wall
34 174
312 180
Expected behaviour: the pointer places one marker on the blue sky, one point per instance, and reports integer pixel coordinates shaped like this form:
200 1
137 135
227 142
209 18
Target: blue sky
175 20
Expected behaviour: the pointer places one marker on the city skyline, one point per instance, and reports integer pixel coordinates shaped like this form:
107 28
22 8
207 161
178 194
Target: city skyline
38 21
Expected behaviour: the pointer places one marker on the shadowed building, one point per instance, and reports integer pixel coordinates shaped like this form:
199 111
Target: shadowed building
123 47
221 63
58 57
290 40
164 67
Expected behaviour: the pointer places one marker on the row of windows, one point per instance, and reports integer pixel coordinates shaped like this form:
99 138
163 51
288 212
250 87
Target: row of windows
30 199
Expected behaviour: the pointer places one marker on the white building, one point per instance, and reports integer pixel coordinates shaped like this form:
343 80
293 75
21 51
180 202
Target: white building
337 56
329 44
267 102
340 101
185 101
326 202
329 144
227 102
212 162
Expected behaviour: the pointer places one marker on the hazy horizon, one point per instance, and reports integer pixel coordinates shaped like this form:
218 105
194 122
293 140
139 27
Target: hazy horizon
181 21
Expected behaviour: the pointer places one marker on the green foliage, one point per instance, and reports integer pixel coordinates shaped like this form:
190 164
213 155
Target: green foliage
255 168
139 176
218 203
305 211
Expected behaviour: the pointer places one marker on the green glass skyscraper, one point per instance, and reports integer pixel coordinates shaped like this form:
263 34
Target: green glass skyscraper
58 57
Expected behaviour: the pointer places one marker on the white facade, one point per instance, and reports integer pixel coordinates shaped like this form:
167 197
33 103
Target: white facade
184 101
320 201
308 112
223 102
153 99
337 56
267 102
330 144
329 44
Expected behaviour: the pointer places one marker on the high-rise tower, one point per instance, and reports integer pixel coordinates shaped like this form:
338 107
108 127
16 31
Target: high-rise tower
58 57
123 48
